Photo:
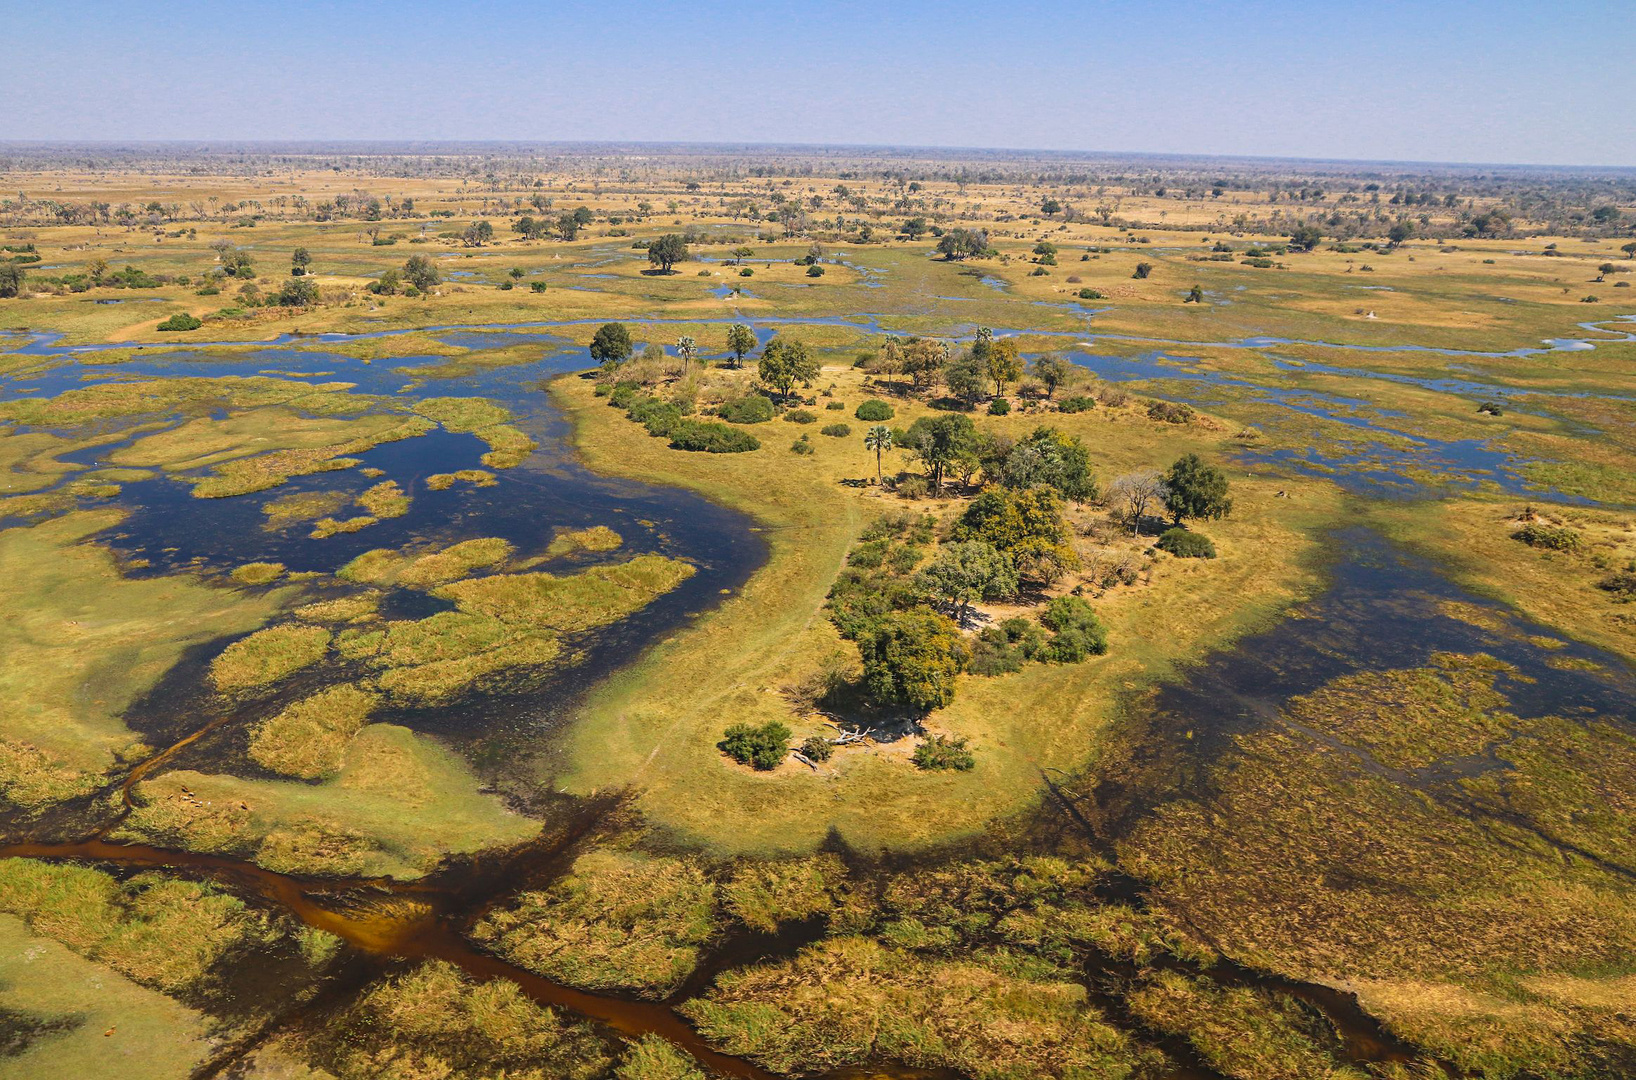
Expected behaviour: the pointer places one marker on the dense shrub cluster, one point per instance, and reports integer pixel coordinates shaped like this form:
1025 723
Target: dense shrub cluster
874 411
1186 545
752 409
1554 537
763 747
667 420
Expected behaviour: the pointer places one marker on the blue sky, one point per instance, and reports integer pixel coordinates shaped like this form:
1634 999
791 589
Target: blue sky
1434 80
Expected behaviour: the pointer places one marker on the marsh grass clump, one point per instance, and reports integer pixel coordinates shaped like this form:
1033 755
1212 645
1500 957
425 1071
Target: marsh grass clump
764 895
593 597
435 1021
474 477
267 656
307 739
257 573
596 538
324 528
302 506
385 500
615 921
851 1001
764 746
1241 1032
508 447
161 932
654 1058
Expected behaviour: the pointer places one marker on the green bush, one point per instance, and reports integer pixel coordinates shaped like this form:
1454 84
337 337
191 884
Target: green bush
1170 412
752 409
711 438
834 405
1076 631
180 321
801 446
817 748
874 411
1553 537
838 431
1622 585
763 747
815 270
940 752
660 417
1186 545
999 407
1077 403
800 416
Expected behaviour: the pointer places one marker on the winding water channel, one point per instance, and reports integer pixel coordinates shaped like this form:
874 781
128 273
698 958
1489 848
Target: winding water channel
1381 611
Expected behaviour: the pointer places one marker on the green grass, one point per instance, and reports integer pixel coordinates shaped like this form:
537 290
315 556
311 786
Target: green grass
267 656
308 739
614 922
397 805
80 643
91 1019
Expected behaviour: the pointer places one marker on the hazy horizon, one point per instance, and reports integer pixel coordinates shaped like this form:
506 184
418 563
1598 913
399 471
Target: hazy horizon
1442 82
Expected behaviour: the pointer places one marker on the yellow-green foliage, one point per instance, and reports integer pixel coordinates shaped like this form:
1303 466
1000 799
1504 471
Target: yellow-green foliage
434 1023
382 566
302 506
94 1021
432 659
79 643
615 922
1398 881
398 804
508 447
595 538
258 573
359 607
592 597
268 470
308 738
1243 1033
110 400
324 528
268 655
764 894
162 932
850 1001
653 1058
475 477
385 500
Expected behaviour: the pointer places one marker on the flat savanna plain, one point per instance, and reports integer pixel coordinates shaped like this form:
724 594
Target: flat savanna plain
396 752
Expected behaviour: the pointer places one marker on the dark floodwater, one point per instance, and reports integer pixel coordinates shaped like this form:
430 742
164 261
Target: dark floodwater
504 733
1383 609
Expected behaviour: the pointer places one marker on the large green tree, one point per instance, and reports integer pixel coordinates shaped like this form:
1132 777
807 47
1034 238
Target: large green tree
420 272
1194 489
964 572
944 444
785 362
611 345
911 659
741 341
667 251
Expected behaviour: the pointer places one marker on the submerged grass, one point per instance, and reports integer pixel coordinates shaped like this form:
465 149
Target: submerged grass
80 642
614 922
308 739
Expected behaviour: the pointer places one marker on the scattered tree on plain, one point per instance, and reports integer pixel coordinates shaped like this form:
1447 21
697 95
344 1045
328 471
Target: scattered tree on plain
785 362
611 346
1196 490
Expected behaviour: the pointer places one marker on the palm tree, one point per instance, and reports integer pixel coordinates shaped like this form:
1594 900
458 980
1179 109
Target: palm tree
688 350
878 439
